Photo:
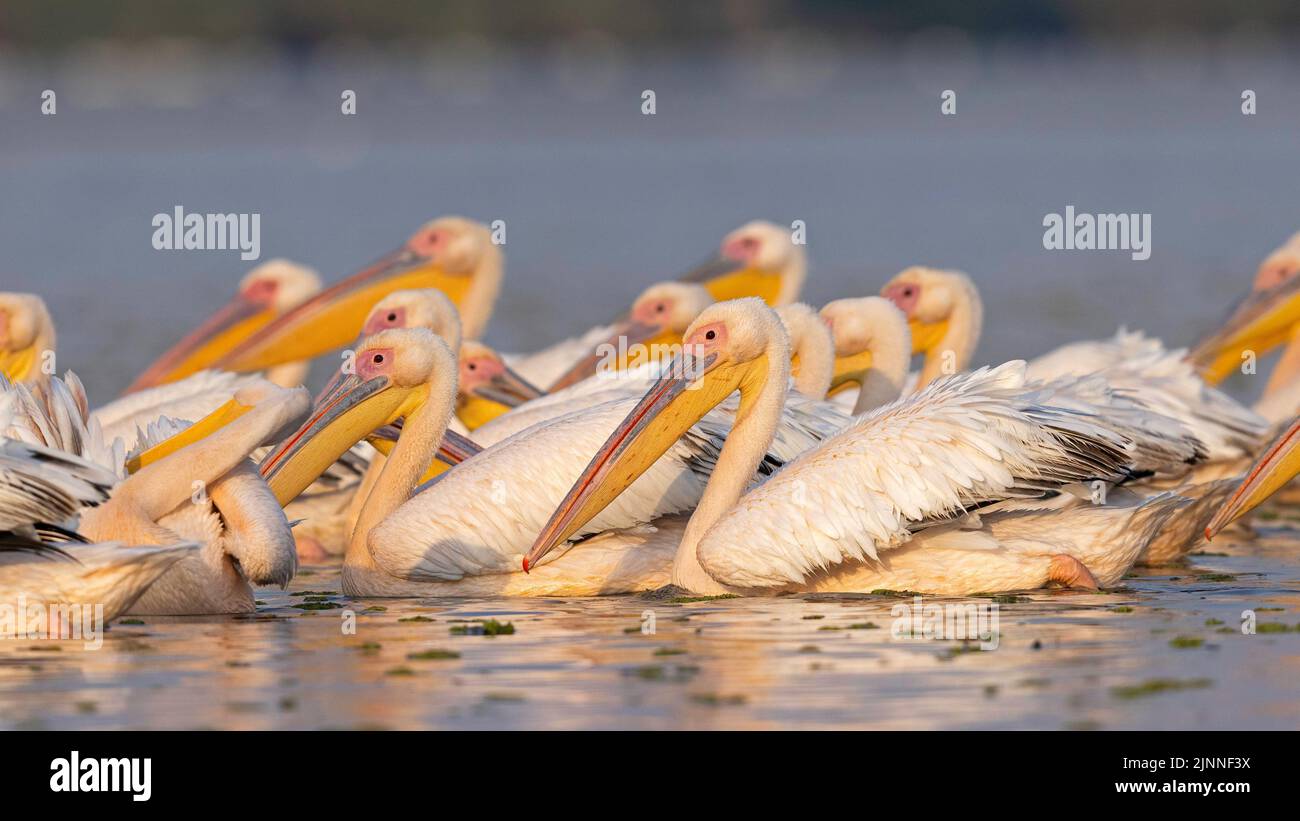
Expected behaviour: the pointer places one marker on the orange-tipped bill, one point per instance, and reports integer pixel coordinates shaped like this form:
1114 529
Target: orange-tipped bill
1279 464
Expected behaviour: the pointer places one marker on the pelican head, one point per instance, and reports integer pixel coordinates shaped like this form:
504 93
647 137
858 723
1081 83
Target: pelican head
453 254
416 308
1279 266
26 332
488 387
870 333
1261 322
269 290
927 297
657 319
391 380
757 259
734 345
1275 468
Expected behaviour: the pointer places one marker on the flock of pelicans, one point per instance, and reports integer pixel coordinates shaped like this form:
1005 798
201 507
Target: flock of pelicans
719 436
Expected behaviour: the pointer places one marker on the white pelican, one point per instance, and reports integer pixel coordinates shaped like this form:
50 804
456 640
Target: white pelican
757 259
453 254
195 485
465 533
873 348
267 291
26 334
904 498
945 314
41 489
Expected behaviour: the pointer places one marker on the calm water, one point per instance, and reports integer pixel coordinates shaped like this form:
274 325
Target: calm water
600 201
1064 660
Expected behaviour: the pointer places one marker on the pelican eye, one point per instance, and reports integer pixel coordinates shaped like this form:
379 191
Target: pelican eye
711 335
379 358
392 317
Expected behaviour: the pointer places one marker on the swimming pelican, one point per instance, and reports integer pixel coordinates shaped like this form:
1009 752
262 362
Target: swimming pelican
267 291
873 348
757 259
904 498
40 490
465 533
187 483
453 254
945 313
26 335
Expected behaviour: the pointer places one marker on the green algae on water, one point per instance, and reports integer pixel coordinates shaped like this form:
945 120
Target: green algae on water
433 655
1155 686
1186 642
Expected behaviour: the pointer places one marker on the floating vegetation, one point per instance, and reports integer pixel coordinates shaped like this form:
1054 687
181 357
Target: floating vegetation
312 593
864 625
375 608
1186 642
1217 577
433 655
505 697
670 651
370 647
87 707
1155 686
896 594
694 599
1213 622
130 621
317 605
810 648
717 700
965 647
636 629
1123 608
399 671
1275 627
484 627
415 618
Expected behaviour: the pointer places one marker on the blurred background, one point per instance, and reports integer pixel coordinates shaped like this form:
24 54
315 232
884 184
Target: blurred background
824 111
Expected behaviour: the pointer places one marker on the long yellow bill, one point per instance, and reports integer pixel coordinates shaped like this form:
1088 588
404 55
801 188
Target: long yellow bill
1279 465
452 450
631 343
849 371
690 387
334 317
19 365
349 413
927 335
1261 322
485 401
726 278
205 427
233 323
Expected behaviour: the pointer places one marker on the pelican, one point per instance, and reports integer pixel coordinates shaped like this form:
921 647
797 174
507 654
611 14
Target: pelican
41 488
812 365
186 483
873 348
906 497
757 259
1276 466
945 314
465 533
267 291
453 254
26 335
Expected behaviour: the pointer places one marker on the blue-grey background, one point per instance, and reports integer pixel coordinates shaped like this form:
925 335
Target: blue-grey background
782 123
